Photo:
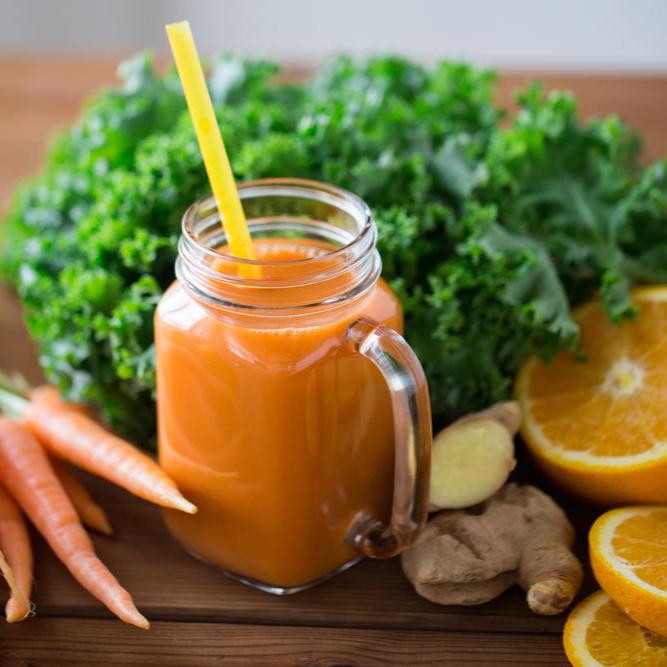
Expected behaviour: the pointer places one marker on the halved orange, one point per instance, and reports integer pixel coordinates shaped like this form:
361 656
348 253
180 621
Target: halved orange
598 634
628 548
598 428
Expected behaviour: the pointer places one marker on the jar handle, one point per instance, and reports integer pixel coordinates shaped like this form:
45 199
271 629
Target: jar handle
413 437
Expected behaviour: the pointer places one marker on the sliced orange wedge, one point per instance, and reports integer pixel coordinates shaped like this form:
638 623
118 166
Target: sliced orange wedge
599 428
628 548
598 634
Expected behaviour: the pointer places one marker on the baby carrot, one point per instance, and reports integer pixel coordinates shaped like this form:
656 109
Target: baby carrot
27 475
15 548
90 513
66 431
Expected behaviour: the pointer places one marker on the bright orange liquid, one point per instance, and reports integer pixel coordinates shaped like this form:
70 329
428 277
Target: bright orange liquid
281 436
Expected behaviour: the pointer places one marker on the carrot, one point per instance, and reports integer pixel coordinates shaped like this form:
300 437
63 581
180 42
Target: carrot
17 568
66 431
90 513
27 474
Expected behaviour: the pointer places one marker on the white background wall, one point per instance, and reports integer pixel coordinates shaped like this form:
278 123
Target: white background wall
592 35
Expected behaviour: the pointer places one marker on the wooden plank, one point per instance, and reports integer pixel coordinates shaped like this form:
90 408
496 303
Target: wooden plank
145 558
67 642
168 584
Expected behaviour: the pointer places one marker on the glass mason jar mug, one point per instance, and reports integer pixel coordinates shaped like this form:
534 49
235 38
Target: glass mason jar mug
277 380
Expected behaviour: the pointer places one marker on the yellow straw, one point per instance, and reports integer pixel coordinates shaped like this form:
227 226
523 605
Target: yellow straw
211 145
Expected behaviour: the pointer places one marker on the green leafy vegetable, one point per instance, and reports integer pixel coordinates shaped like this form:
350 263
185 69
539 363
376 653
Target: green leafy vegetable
489 233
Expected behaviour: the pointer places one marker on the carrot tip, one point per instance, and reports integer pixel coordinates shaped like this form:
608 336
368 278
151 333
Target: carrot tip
17 610
97 520
138 620
129 614
180 503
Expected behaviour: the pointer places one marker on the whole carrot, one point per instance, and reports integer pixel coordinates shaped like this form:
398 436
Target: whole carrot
26 473
69 433
90 513
15 545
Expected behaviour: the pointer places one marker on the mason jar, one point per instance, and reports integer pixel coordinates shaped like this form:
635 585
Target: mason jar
290 409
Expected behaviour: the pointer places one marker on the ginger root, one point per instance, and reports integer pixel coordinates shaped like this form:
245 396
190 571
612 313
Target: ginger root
519 535
473 457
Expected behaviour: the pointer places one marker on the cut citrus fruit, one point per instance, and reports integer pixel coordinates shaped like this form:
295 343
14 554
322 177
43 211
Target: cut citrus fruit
628 548
599 427
598 634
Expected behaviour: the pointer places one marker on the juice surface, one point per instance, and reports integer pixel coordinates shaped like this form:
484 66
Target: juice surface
277 432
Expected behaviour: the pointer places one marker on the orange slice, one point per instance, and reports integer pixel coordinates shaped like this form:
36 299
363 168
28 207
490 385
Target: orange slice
598 634
599 428
628 548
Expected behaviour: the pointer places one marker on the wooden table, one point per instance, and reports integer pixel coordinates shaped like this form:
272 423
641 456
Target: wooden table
366 616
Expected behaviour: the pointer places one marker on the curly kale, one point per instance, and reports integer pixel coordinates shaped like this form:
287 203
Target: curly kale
489 231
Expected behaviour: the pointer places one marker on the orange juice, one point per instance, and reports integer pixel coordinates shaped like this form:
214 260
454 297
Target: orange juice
268 421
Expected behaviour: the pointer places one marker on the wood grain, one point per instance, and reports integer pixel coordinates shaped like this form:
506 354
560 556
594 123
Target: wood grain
51 642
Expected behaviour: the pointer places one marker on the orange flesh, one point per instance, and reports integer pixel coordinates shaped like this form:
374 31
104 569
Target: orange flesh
613 639
277 432
607 406
641 541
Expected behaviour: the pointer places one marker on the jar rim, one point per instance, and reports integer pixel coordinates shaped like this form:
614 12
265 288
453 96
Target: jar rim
287 186
218 278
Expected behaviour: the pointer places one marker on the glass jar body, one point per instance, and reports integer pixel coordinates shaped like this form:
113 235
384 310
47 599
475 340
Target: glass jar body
280 436
268 421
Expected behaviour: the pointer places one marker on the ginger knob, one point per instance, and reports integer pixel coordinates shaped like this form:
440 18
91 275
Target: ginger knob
473 457
519 535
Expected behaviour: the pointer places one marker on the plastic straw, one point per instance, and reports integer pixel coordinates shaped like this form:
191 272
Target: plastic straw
212 147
